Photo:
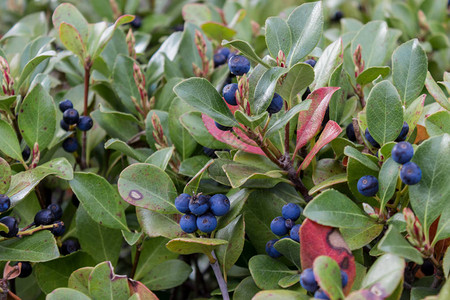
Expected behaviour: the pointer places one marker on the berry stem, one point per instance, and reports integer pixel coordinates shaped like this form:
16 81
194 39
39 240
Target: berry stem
136 259
87 74
220 280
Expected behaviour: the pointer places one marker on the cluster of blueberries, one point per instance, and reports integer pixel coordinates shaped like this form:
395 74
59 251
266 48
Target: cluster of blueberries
350 131
309 283
410 172
71 120
200 211
284 225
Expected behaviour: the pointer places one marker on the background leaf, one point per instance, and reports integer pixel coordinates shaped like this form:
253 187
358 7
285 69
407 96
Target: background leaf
278 36
8 141
38 247
266 271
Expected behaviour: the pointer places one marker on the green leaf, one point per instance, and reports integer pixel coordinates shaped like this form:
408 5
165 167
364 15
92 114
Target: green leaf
161 157
5 176
100 242
386 272
167 275
328 61
299 77
180 137
199 93
9 143
290 249
79 279
409 70
124 83
66 293
108 120
104 284
265 89
278 36
328 275
374 40
356 170
192 121
156 224
384 112
252 176
438 123
281 122
228 254
38 247
267 271
393 242
72 40
100 199
353 153
443 230
433 158
194 183
387 180
436 92
246 289
246 49
357 238
335 209
149 187
370 74
280 295
194 245
7 101
68 13
32 64
37 118
446 262
305 22
122 147
250 121
333 180
288 281
217 31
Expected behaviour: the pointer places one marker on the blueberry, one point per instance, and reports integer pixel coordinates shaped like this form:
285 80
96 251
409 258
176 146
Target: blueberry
70 144
219 59
402 136
311 62
12 225
229 93
306 93
65 105
56 210
75 200
367 186
223 128
85 123
44 217
289 224
26 153
239 65
219 204
307 280
294 233
210 152
402 152
344 279
136 23
350 131
410 173
427 268
178 27
188 223
338 15
70 116
370 139
199 205
25 270
64 125
207 222
58 231
291 211
276 104
69 246
320 294
182 203
270 249
225 52
278 226
5 203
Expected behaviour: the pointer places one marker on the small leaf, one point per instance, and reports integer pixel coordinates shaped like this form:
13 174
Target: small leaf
436 92
291 113
194 245
246 49
68 13
267 271
278 36
31 66
393 242
161 157
104 284
79 279
353 153
387 180
38 247
72 40
193 184
290 249
370 74
328 276
122 147
217 31
438 123
7 101
9 143
299 77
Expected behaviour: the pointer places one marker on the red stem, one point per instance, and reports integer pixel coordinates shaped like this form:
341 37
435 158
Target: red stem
87 74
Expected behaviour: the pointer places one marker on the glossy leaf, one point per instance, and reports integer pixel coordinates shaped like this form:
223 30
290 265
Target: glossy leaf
246 49
167 275
353 153
266 271
39 247
278 36
387 180
370 74
265 89
228 254
393 242
328 61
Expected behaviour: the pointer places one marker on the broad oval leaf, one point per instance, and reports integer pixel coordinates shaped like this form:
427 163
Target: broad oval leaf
156 224
299 77
363 159
266 271
9 144
72 40
328 61
38 247
393 242
374 40
265 89
68 13
104 284
167 275
357 238
278 36
387 179
328 275
372 73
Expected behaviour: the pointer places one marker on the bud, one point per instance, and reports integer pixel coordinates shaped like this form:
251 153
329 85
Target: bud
423 24
158 133
139 79
7 81
281 59
36 156
207 65
359 62
416 235
131 42
115 8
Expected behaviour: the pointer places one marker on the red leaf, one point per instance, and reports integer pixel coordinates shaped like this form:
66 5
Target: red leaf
227 137
329 133
309 121
136 287
317 240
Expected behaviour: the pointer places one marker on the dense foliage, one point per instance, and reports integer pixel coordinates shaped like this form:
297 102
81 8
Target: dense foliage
225 148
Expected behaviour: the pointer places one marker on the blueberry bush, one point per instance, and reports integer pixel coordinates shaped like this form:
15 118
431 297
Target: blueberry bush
225 149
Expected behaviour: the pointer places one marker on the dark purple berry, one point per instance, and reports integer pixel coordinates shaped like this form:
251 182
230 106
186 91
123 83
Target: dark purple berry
69 246
71 116
85 123
44 217
5 203
65 105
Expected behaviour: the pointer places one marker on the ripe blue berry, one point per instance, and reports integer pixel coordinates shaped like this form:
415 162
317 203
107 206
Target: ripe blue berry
70 116
69 246
44 217
307 280
239 65
320 294
278 226
210 152
291 211
219 59
64 125
58 231
199 204
207 223
367 186
136 23
70 144
370 139
276 104
294 233
350 131
182 203
26 153
25 270
402 136
410 173
188 223
427 268
219 204
56 210
223 128
65 105
85 123
289 224
402 152
311 62
270 249
344 278
5 203
229 93
12 225
225 52
338 15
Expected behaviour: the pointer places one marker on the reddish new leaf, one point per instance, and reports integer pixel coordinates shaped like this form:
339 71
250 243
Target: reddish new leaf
329 133
309 121
317 240
136 287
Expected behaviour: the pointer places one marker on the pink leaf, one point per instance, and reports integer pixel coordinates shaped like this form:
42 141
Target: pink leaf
329 133
242 142
309 121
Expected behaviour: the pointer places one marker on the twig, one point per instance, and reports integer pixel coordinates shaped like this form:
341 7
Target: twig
136 260
87 74
222 284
